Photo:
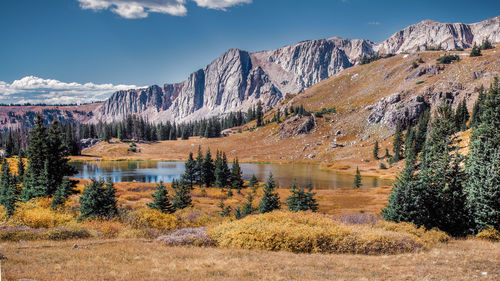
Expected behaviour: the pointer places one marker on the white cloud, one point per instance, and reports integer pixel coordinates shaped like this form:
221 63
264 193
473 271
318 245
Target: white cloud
374 23
134 9
220 4
38 90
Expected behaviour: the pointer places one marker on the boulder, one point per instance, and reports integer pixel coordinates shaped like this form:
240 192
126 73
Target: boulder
297 125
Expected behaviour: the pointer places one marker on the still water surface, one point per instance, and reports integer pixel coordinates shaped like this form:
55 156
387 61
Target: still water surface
156 171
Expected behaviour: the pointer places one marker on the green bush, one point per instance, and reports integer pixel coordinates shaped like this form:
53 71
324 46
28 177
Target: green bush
447 59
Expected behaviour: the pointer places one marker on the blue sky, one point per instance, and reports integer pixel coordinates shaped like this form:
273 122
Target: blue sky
98 46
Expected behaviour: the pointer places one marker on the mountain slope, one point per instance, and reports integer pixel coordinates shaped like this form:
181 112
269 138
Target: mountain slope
238 79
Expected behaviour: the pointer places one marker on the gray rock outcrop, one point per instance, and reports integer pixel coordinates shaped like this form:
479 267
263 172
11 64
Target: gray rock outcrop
297 125
393 110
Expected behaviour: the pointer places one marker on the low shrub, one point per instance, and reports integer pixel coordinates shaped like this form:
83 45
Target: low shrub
427 237
196 218
187 236
32 214
310 233
148 233
15 235
359 218
103 228
67 232
489 233
149 218
447 59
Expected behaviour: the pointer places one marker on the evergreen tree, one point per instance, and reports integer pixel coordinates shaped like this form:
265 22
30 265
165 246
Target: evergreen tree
253 181
300 200
222 172
410 144
190 170
387 155
357 179
483 164
62 193
98 201
198 170
259 114
20 168
398 141
477 109
182 195
47 161
161 201
248 207
475 52
237 213
375 150
236 180
208 169
421 131
486 45
270 200
461 116
8 190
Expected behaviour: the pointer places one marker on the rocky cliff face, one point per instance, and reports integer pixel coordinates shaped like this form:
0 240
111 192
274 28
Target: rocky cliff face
238 79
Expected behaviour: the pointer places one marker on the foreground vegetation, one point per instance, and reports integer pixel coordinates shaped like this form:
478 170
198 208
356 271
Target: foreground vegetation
144 260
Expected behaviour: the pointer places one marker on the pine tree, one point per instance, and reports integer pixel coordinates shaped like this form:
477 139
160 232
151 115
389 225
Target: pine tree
410 144
357 179
182 195
237 213
270 200
375 150
253 181
486 45
259 114
62 193
300 200
8 190
461 116
47 161
421 131
236 180
208 168
20 168
248 207
483 164
98 201
387 155
477 109
398 141
190 170
198 170
475 52
161 201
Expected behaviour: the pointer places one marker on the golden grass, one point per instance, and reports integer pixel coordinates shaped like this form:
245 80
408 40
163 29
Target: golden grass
138 260
316 233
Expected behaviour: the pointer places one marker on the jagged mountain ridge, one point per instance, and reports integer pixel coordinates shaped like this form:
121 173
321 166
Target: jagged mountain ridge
239 79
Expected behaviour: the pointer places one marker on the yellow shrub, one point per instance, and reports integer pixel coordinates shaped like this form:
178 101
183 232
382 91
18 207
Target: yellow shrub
108 229
427 237
149 218
489 233
308 232
33 215
196 218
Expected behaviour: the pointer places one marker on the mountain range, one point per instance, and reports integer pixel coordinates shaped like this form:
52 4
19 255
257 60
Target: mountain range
238 79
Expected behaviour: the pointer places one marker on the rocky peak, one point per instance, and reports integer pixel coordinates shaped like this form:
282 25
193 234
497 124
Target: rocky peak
238 79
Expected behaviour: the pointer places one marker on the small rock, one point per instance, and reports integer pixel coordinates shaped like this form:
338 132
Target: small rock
311 156
75 246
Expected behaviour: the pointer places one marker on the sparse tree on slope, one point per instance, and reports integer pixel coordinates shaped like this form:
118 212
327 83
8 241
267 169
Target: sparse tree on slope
161 201
270 200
